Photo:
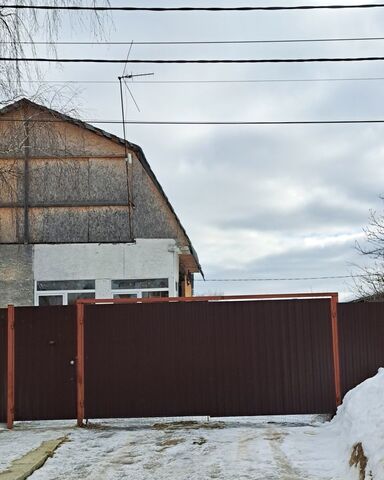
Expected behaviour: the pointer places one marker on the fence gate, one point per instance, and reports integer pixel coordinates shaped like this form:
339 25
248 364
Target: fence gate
45 370
208 358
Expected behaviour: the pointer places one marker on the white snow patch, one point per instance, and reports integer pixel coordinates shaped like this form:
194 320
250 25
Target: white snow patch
360 418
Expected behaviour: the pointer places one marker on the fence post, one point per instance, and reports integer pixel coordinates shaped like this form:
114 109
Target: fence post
80 363
10 366
335 348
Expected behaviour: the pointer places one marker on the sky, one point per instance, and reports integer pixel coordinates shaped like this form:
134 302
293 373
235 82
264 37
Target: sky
259 202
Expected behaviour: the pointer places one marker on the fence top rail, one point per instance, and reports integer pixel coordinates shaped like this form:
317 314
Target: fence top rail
269 296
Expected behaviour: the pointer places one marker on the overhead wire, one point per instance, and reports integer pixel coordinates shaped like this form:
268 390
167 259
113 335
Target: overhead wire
195 81
202 122
283 279
194 61
270 8
205 42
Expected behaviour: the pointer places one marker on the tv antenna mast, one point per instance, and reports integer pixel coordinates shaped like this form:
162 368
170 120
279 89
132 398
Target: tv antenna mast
121 79
128 156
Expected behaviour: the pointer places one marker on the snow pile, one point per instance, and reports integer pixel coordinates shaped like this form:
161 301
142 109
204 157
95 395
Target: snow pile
360 419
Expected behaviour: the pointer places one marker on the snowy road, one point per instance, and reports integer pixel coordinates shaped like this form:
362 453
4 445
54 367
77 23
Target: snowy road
230 449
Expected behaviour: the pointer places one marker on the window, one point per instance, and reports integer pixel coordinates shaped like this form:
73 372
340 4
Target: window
140 288
140 284
154 294
45 300
125 295
66 285
63 292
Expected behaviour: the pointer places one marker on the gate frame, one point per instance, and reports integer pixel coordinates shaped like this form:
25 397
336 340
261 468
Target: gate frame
80 317
10 366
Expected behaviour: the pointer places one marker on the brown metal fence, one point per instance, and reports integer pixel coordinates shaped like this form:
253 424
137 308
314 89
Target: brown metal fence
361 327
198 358
3 364
218 359
45 370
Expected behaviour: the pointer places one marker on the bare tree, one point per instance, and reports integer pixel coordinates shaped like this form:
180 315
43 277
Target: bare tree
18 26
370 281
42 139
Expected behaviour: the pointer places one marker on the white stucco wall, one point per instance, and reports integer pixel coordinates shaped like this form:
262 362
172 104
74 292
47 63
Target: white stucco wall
147 258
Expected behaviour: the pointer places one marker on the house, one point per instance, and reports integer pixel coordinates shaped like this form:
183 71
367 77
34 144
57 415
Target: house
82 215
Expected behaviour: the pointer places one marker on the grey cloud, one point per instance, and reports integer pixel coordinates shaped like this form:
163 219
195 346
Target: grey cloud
309 217
316 262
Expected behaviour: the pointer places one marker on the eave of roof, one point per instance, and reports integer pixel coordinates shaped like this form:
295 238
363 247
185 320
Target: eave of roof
99 131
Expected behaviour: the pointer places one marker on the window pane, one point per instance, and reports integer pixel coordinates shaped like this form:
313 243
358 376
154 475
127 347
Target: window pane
72 297
66 285
154 294
125 295
138 284
45 300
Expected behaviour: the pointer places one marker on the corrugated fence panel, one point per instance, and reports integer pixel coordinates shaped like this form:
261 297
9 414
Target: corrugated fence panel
209 358
3 364
361 333
45 370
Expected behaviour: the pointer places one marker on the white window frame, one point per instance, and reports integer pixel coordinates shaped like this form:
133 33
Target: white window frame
53 293
48 293
138 292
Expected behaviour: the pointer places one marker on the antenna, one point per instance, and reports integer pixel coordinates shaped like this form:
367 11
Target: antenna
128 157
123 77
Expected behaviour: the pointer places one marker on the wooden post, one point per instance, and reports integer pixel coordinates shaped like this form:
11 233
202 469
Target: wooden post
10 366
80 363
335 348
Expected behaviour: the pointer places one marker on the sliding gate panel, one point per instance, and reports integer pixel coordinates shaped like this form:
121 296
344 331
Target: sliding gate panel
3 364
208 358
45 370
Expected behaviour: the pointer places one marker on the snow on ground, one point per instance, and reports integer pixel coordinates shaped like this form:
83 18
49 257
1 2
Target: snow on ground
257 448
26 437
225 449
360 419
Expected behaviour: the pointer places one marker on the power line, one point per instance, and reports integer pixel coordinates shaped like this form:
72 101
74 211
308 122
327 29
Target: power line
195 81
199 122
207 42
279 122
194 61
189 9
290 279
